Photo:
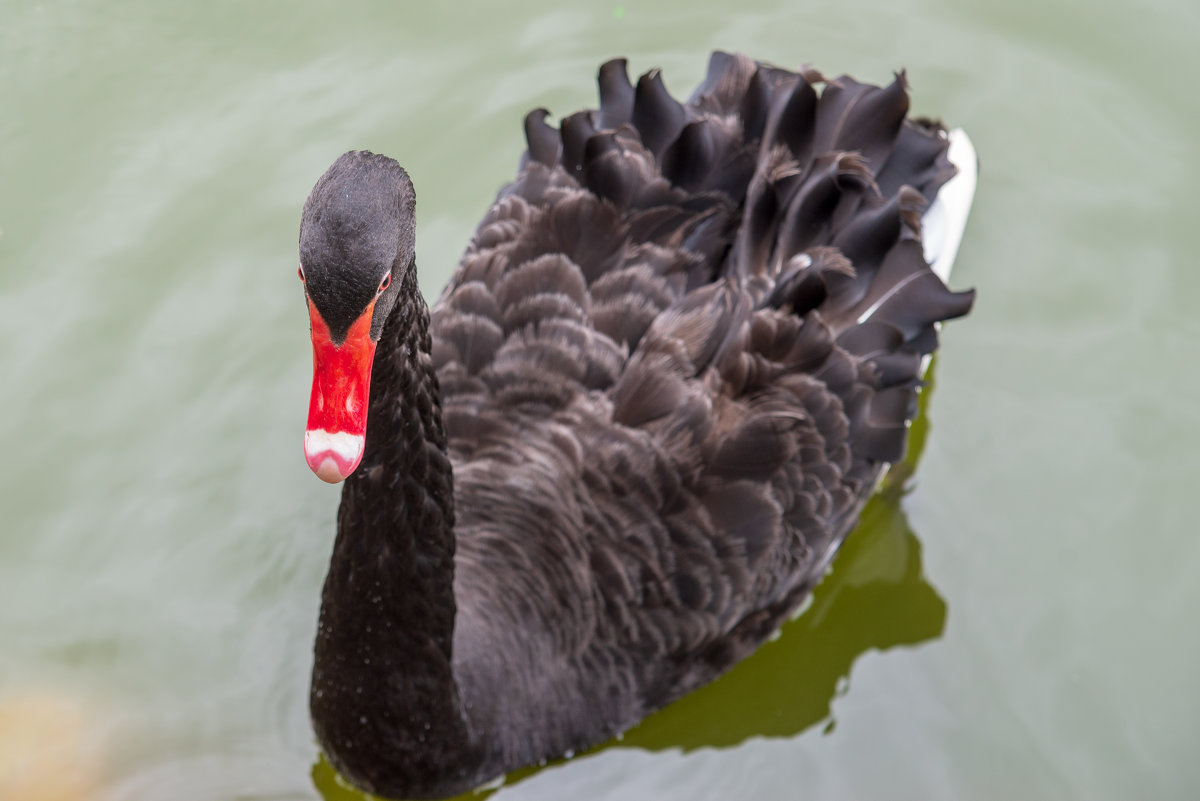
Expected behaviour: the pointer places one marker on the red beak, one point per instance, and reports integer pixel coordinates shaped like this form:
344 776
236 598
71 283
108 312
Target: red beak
337 410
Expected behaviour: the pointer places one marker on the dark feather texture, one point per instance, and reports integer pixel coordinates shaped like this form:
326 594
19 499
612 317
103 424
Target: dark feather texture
628 439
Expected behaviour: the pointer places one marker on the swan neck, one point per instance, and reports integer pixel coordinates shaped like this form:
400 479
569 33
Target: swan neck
383 685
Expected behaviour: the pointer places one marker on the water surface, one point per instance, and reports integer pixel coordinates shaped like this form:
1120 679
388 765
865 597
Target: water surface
1014 620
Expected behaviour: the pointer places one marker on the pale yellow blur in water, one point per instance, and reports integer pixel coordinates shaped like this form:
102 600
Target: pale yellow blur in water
45 749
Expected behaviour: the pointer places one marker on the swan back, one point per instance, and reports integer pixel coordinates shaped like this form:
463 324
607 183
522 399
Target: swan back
674 360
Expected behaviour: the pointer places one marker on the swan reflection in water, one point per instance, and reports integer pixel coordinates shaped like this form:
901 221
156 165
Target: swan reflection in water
875 597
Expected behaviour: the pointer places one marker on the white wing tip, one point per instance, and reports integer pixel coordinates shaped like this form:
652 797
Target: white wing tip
946 218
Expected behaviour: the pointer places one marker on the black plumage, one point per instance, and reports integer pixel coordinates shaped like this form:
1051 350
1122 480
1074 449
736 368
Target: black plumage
628 438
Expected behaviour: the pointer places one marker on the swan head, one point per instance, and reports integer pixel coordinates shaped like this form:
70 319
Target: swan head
357 239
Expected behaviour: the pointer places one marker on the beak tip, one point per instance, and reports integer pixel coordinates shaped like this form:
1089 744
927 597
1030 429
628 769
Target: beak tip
328 471
332 456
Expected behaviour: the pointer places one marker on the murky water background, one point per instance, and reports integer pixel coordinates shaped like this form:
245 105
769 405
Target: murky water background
1017 619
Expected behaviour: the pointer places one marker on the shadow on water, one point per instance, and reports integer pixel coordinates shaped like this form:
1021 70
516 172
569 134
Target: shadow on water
875 597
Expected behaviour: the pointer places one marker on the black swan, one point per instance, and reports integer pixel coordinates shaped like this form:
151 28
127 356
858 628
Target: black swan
627 440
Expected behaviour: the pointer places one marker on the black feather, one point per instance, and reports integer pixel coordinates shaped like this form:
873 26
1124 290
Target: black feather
675 357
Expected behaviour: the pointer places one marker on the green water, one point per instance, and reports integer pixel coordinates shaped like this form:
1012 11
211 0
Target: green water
1015 620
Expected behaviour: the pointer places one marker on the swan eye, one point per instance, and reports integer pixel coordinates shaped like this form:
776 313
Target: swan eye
385 283
300 272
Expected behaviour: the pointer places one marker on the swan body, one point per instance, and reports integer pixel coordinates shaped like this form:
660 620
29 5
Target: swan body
628 438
